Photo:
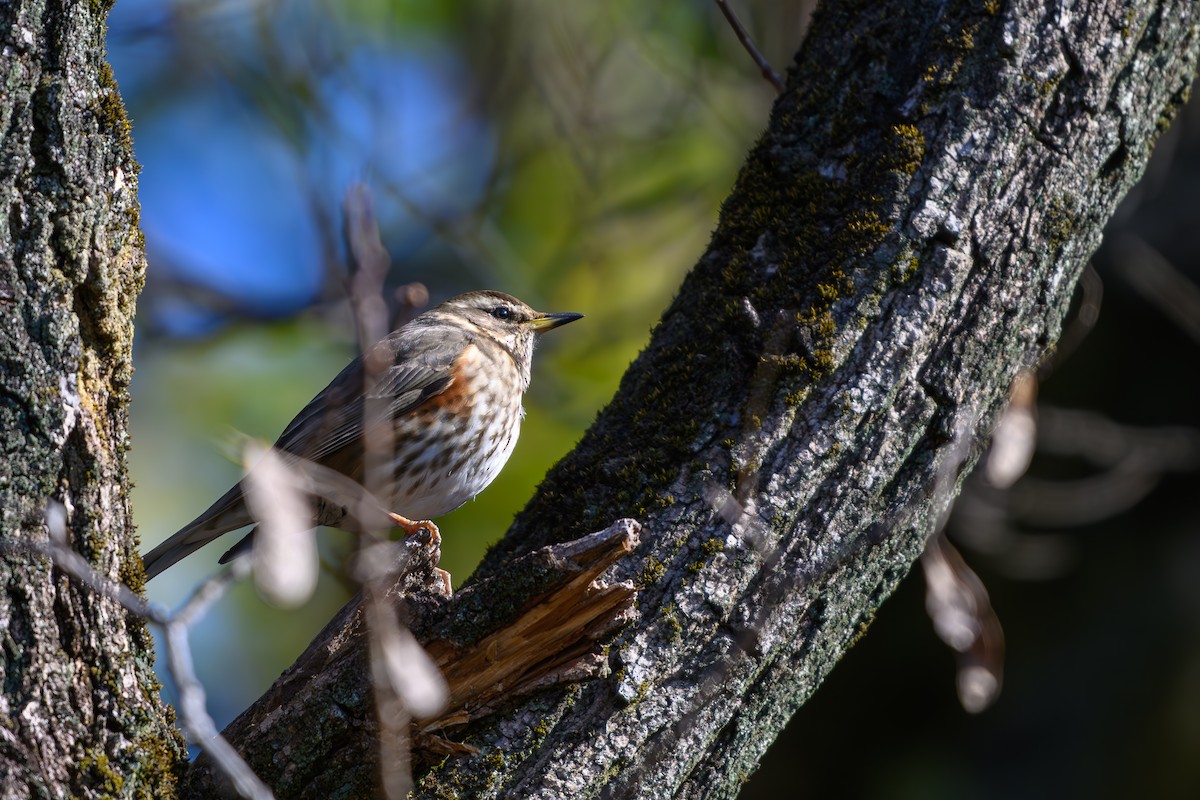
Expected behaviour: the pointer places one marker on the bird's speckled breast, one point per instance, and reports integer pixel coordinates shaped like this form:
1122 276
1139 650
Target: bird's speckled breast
459 440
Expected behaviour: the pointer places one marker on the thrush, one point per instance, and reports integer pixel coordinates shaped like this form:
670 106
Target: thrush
452 395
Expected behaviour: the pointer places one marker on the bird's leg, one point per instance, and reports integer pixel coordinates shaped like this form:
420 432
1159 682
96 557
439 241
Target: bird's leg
416 528
413 527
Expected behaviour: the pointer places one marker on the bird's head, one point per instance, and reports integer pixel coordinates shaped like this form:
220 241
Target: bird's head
506 319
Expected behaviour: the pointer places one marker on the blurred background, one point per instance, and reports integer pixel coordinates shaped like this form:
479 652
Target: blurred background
576 155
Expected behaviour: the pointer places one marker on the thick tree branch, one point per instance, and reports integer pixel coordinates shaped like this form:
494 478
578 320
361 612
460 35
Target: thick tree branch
489 654
903 239
80 710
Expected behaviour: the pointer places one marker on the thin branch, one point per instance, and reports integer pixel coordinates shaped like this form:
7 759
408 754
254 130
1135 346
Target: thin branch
743 36
75 565
193 714
1091 295
393 692
1160 282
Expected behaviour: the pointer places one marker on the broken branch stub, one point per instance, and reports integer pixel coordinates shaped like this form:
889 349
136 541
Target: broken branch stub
540 624
552 639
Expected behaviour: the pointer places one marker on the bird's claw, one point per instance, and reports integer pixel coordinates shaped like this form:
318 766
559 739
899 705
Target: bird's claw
420 527
427 533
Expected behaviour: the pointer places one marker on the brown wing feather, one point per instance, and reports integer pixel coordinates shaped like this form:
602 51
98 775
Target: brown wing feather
333 420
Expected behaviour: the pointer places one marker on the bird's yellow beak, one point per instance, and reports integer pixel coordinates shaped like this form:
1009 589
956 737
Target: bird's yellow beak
548 322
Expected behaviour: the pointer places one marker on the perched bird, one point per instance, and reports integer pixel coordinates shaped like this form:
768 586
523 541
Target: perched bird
450 385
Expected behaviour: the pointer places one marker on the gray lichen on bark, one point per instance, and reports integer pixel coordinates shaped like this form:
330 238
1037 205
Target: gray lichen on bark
905 237
902 240
80 707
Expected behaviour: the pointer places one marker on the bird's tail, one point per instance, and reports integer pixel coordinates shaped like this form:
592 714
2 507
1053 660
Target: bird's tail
227 514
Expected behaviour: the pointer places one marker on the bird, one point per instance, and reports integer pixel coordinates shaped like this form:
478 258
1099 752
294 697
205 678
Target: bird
450 382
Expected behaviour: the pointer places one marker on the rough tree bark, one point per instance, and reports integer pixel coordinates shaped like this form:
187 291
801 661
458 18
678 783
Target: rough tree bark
80 714
903 239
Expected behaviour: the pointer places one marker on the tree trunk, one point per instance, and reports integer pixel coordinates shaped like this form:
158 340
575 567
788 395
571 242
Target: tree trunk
904 239
80 710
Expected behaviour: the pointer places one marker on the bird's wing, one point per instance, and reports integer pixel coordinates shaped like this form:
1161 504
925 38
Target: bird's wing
334 418
423 367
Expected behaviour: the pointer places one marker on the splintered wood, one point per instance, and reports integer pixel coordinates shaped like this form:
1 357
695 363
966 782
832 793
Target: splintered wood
551 640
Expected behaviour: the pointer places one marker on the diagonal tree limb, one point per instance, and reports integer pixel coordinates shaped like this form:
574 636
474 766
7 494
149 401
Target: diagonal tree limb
903 239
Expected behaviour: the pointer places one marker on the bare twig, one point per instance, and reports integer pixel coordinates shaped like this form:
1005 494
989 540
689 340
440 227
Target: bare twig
1126 463
193 715
369 263
743 36
369 268
1131 462
1157 280
1091 295
62 556
394 693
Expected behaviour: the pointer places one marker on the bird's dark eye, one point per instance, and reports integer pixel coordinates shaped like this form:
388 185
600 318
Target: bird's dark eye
502 312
